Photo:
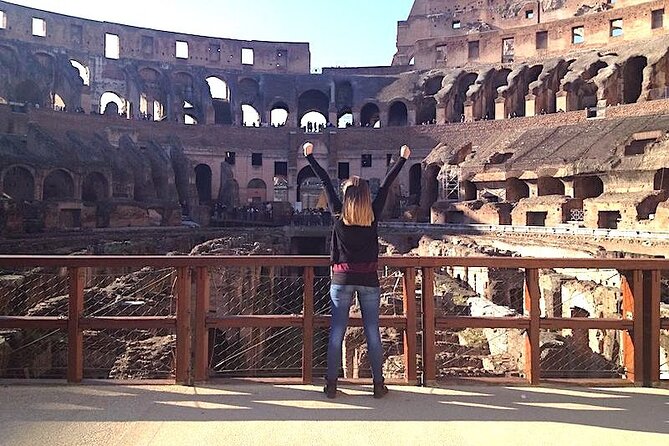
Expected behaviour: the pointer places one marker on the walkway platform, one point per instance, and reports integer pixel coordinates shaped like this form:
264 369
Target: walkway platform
272 414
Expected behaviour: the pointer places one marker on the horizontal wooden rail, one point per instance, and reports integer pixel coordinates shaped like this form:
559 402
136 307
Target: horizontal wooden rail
398 321
34 322
264 321
586 323
446 322
127 322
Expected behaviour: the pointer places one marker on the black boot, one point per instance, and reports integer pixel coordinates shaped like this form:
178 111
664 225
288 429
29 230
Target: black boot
330 389
380 390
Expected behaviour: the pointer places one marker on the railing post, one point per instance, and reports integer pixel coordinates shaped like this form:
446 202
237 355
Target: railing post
75 336
652 297
308 325
429 335
184 340
201 344
409 304
632 291
532 342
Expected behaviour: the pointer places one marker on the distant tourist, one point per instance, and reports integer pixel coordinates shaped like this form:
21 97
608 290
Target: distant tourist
354 259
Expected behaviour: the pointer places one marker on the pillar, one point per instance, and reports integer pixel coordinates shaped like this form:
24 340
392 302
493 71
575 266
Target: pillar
500 108
530 105
469 111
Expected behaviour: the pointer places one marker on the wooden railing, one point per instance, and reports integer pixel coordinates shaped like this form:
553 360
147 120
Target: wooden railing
640 321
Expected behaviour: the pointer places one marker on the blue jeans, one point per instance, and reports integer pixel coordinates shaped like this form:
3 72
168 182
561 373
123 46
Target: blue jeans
341 297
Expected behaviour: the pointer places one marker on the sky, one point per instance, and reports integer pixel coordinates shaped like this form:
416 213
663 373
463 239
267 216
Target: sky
347 33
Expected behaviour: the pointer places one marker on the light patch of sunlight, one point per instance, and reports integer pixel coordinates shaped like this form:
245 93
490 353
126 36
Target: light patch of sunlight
477 405
311 404
566 392
441 392
210 391
201 405
64 406
636 390
571 406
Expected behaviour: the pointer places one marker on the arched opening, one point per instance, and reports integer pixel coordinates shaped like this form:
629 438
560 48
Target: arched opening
661 179
190 118
312 101
220 100
248 91
433 85
278 115
633 78
468 190
28 92
280 188
343 95
19 184
58 102
588 187
549 186
250 116
313 121
516 189
500 78
94 188
112 104
427 113
370 116
256 191
308 187
58 185
463 85
83 70
203 183
398 114
218 88
151 110
415 173
431 191
531 75
345 118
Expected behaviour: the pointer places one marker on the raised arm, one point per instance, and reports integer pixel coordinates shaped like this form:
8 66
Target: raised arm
333 199
380 200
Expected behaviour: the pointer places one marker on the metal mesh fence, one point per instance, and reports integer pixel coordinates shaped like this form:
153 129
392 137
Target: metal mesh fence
129 354
138 292
33 354
34 292
594 293
480 352
257 351
581 353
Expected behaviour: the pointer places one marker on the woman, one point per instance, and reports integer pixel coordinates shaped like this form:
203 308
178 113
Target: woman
354 257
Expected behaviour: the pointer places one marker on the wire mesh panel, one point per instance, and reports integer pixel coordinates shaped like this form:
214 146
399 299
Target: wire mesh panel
129 354
664 354
34 292
322 295
581 353
255 290
594 293
480 352
137 292
33 353
256 351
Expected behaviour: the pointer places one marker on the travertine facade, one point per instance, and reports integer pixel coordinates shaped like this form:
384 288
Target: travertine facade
111 125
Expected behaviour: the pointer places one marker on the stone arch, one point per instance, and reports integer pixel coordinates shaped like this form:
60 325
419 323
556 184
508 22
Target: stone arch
152 97
430 186
588 187
203 183
463 83
549 186
250 116
498 79
304 174
279 113
345 118
220 100
531 75
18 183
661 179
432 85
58 185
427 112
468 190
370 115
84 72
28 92
415 174
633 78
95 187
112 104
398 114
516 189
248 91
256 190
584 89
312 100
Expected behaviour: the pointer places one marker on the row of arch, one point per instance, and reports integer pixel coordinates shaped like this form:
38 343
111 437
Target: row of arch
19 183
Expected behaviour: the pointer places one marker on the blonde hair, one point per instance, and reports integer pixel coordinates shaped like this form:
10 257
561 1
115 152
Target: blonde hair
357 206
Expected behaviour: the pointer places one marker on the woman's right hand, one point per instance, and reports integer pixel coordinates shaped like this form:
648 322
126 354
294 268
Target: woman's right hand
308 148
405 151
